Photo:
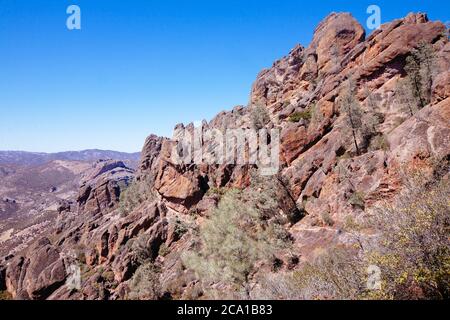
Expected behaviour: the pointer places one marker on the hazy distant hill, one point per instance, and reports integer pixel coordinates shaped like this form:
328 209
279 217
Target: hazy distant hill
38 158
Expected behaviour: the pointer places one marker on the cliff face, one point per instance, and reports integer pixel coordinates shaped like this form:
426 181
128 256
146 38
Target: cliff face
315 151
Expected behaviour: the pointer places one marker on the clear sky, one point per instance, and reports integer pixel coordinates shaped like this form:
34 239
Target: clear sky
141 66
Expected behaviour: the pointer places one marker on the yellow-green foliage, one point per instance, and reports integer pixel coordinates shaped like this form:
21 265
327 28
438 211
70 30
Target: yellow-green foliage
411 249
301 115
230 242
5 295
414 252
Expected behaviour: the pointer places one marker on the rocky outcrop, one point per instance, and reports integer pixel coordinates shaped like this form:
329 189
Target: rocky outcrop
100 188
323 180
38 274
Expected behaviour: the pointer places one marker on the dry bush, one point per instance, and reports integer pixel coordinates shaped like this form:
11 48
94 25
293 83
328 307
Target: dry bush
145 284
259 116
414 247
277 286
410 245
379 142
5 295
335 274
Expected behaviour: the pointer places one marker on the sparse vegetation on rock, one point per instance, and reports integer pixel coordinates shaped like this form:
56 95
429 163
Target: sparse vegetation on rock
135 194
145 283
353 114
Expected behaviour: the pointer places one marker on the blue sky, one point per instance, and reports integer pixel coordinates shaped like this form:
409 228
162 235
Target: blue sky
141 66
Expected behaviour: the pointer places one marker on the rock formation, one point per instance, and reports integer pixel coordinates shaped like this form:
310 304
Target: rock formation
320 167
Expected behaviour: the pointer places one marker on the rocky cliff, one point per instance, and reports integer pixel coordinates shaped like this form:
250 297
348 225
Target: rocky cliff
324 169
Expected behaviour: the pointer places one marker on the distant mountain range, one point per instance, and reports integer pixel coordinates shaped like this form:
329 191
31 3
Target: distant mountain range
38 158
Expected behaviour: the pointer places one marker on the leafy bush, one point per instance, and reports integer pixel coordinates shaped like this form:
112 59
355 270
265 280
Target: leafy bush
300 115
411 248
140 248
414 247
180 227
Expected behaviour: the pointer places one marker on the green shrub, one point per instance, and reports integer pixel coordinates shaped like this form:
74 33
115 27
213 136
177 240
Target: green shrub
414 249
140 248
180 228
301 115
234 239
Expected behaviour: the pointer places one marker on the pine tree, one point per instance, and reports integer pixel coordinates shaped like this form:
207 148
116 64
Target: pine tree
352 112
237 235
420 71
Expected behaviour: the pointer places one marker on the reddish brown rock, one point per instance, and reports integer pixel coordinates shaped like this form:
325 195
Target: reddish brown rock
293 137
322 181
38 274
101 187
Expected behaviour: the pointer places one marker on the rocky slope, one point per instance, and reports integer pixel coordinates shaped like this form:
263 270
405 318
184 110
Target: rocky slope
315 151
32 196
